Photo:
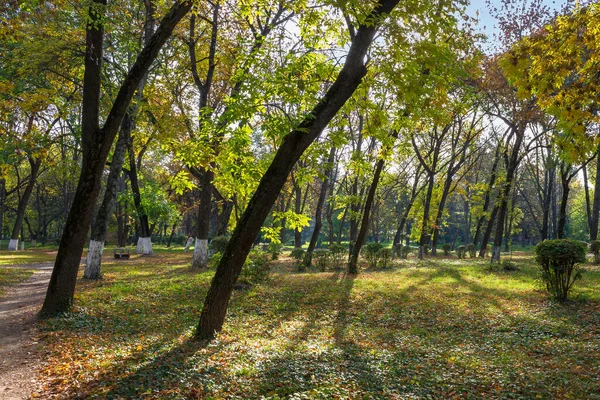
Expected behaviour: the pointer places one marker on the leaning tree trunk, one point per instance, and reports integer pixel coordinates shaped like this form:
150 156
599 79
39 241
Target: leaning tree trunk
34 163
562 213
292 147
2 199
364 224
93 262
488 232
596 203
298 210
439 215
488 193
144 241
424 238
319 209
96 143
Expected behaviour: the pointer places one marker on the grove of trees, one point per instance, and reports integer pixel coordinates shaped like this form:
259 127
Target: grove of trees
305 123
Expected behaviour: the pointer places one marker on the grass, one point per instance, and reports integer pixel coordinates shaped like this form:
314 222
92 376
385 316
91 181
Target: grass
429 329
12 276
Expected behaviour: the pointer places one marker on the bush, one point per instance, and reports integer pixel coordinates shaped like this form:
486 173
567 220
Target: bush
471 250
298 254
370 253
446 247
559 261
274 249
321 257
218 244
255 269
214 259
509 266
405 251
338 255
385 257
595 249
461 252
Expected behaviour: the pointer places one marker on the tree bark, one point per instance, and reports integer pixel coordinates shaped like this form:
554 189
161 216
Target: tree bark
292 147
364 224
200 258
488 192
596 203
93 264
96 143
34 164
319 209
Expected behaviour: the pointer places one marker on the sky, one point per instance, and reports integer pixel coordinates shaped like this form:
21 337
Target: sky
487 24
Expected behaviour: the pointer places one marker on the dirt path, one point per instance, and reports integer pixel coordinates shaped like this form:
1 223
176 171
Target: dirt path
20 354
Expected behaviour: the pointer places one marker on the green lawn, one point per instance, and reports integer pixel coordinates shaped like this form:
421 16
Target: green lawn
12 276
431 329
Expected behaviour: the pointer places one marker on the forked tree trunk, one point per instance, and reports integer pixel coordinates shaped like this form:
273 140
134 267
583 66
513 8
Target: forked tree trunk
34 164
93 264
96 143
292 147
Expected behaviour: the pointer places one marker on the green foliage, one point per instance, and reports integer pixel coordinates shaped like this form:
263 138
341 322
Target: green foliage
321 257
509 266
214 259
405 252
385 258
256 268
218 244
595 249
338 254
370 252
559 260
298 254
274 249
397 250
446 248
461 252
470 248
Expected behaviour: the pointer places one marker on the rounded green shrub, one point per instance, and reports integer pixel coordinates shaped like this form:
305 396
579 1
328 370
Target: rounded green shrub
321 257
218 244
370 253
461 252
471 250
405 251
446 247
559 261
338 254
384 257
274 249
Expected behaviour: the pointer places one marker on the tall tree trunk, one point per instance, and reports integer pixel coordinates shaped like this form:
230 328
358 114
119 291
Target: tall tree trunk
511 169
488 232
34 164
588 207
488 193
551 177
440 213
596 203
96 143
364 224
298 210
93 262
200 258
424 238
144 241
2 199
224 217
292 147
319 209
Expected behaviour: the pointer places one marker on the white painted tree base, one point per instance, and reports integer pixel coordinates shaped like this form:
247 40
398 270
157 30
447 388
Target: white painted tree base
140 246
93 262
146 246
188 244
22 245
14 244
200 259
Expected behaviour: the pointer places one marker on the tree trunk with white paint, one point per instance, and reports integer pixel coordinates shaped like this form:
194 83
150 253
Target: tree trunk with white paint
93 262
13 244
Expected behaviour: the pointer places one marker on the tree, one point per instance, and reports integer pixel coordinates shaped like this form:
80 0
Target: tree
288 153
96 143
